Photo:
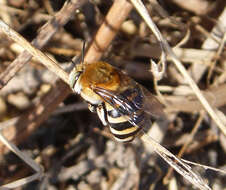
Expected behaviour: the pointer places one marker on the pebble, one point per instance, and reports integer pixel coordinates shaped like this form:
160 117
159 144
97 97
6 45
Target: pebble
19 100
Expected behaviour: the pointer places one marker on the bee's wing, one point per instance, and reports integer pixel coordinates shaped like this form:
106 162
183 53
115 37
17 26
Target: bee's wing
151 104
144 101
116 100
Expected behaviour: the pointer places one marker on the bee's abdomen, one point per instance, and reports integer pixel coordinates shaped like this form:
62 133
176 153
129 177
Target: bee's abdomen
127 119
125 128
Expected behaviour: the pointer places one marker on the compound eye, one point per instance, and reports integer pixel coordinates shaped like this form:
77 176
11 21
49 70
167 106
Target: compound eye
77 75
73 77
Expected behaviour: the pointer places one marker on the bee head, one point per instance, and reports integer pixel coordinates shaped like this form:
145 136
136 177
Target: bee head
74 78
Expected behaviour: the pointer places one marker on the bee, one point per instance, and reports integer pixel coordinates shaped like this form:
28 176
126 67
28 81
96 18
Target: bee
126 107
120 102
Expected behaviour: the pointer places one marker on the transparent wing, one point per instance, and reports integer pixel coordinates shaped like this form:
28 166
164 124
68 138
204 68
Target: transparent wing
127 105
151 104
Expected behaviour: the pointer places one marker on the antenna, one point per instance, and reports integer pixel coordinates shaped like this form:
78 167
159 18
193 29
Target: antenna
83 51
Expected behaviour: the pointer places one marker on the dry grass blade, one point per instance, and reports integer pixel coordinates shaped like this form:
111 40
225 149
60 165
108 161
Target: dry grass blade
176 163
36 167
39 55
204 166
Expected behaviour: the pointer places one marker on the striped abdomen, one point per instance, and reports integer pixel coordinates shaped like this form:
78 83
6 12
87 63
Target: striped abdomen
123 127
127 119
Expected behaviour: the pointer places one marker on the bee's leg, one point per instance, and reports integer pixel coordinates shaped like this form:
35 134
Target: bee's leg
92 108
102 113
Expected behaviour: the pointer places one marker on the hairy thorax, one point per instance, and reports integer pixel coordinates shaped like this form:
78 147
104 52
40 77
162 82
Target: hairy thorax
101 75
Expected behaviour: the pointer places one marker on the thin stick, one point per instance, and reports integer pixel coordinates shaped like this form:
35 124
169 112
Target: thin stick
107 31
45 60
204 166
20 182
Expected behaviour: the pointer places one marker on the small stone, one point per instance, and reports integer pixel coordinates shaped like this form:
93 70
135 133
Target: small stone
19 100
129 27
94 177
44 89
